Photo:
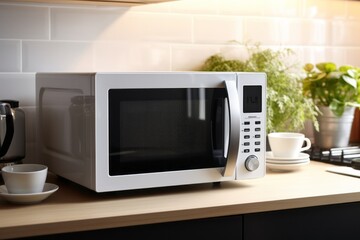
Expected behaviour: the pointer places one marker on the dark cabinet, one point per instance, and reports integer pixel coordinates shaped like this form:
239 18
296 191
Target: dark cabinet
339 221
210 229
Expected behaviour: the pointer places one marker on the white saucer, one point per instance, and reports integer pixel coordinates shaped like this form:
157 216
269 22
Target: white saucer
302 156
29 198
287 161
286 167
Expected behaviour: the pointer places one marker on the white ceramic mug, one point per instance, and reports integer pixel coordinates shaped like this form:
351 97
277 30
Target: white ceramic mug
24 178
288 144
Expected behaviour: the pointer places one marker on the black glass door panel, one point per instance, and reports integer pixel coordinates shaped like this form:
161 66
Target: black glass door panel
156 130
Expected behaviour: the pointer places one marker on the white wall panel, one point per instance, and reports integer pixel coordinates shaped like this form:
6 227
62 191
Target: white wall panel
24 22
10 56
50 56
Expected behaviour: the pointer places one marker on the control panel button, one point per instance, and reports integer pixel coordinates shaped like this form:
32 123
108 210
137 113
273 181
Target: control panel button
247 130
257 122
257 136
246 144
257 149
246 150
247 123
257 143
257 129
252 163
247 136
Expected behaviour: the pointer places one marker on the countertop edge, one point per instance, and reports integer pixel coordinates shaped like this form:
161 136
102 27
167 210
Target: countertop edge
171 216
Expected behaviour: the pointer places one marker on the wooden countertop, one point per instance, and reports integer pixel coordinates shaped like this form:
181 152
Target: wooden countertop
74 208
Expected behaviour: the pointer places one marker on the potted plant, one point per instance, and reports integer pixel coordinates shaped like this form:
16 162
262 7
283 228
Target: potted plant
287 109
336 91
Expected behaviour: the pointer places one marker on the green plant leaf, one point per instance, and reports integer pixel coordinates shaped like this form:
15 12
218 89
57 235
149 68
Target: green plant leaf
321 66
330 67
334 75
320 76
350 81
337 107
351 73
353 104
308 67
326 67
345 68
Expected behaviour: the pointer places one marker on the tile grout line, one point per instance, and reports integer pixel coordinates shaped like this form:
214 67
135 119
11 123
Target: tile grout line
21 55
49 23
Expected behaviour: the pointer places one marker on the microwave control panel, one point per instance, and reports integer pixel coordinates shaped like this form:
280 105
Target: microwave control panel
252 97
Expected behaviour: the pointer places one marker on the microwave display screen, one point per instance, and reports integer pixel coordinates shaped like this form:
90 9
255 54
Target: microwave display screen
252 99
157 130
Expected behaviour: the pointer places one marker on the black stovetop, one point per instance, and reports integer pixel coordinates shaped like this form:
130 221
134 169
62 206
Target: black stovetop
337 156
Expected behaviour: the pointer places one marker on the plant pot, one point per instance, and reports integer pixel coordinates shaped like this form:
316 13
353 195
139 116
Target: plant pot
334 131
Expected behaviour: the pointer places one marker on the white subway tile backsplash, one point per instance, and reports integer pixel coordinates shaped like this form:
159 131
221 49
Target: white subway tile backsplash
209 7
242 8
10 56
338 55
292 32
114 56
345 33
57 56
324 54
156 8
353 56
282 8
82 24
324 9
317 32
278 8
191 57
18 86
353 10
176 35
24 22
305 32
139 26
30 134
289 31
314 55
234 51
217 29
264 30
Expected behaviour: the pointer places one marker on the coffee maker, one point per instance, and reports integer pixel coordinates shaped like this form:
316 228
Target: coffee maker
12 133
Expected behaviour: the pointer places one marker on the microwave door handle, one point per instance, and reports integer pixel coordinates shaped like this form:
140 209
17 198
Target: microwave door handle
234 128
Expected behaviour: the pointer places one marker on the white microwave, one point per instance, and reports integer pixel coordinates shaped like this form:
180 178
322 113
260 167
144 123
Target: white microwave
123 131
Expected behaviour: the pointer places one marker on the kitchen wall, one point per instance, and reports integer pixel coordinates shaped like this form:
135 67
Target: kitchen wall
173 36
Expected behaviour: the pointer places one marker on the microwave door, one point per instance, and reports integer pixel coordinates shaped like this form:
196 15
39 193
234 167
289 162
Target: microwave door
234 128
164 130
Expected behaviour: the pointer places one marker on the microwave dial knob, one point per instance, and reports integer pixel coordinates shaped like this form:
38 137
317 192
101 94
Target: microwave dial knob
252 163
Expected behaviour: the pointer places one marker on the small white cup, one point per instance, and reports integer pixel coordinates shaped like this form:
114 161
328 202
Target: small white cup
288 144
24 178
